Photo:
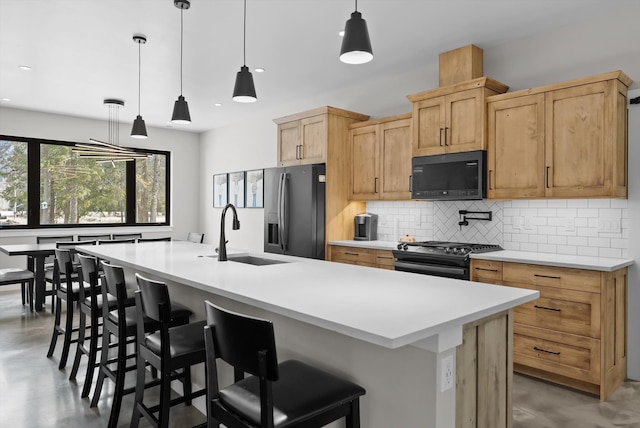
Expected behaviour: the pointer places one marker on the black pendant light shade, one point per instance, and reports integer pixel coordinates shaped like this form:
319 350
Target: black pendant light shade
181 108
356 46
181 111
244 91
139 129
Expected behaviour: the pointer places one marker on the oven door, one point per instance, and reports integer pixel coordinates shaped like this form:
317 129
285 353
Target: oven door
456 272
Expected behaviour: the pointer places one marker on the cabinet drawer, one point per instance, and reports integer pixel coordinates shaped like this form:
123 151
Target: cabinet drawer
353 254
569 311
550 276
384 259
563 354
486 270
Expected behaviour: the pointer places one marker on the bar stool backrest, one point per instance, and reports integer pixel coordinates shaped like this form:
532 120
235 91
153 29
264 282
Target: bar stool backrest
155 299
94 237
164 238
198 238
88 275
117 241
240 340
133 236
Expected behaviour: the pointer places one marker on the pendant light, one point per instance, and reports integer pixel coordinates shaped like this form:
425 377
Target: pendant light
139 129
181 108
244 91
356 46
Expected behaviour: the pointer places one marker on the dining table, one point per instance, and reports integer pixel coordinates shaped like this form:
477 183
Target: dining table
36 256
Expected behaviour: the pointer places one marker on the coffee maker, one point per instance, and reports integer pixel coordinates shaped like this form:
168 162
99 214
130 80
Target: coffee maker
366 227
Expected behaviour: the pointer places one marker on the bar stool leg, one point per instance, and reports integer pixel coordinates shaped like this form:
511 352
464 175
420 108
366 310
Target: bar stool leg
104 358
68 330
56 328
139 396
121 369
79 348
91 364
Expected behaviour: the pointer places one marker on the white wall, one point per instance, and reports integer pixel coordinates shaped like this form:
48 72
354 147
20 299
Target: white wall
603 44
183 146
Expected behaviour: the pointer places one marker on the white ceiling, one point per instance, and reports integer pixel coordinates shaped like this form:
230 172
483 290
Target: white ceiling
81 51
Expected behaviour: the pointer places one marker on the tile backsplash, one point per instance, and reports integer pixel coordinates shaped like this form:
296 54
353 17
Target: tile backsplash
587 227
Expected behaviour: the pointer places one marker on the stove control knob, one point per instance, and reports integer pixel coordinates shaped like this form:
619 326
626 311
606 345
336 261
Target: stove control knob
399 246
405 247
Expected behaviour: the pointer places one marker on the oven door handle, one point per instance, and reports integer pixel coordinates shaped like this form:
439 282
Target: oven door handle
428 269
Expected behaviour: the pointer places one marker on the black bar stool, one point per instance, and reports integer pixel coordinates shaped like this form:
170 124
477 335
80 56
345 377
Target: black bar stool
49 265
289 394
67 288
119 330
171 350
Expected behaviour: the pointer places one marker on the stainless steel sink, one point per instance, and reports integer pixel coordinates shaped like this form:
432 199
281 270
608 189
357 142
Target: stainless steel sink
253 260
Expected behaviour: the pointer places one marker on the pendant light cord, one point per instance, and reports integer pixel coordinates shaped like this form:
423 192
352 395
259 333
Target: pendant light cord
181 41
139 74
356 5
244 36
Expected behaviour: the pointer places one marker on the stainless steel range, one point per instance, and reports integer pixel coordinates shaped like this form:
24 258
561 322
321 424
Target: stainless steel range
448 259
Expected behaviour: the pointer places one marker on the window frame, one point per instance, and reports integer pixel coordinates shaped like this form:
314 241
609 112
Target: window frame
33 188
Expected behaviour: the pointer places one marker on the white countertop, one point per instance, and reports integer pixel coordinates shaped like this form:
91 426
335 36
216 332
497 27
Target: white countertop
387 308
561 260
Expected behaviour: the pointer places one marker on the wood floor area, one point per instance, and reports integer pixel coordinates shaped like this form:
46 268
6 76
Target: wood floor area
35 394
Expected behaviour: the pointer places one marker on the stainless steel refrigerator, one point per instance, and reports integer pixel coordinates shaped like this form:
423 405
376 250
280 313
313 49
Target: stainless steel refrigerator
294 202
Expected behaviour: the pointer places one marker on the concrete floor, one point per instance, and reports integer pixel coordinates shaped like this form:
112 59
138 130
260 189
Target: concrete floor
34 393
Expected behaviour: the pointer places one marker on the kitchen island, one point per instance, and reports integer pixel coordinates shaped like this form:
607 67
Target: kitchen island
394 333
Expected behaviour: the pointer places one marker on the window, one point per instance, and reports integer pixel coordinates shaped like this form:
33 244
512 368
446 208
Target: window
44 184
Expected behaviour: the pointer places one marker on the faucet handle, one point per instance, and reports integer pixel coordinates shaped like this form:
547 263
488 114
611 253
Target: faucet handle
217 248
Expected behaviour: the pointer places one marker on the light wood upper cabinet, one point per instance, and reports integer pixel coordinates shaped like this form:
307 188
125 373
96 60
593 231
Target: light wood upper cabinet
566 140
451 119
381 159
303 141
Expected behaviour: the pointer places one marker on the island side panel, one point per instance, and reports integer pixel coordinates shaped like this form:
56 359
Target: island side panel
401 383
484 378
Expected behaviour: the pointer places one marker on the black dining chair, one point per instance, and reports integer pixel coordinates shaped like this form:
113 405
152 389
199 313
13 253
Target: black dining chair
23 277
287 394
164 238
133 236
171 350
198 238
94 237
67 288
117 241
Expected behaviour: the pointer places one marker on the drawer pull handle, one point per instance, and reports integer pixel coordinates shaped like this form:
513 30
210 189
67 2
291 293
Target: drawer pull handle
547 309
385 257
350 254
546 276
487 270
544 350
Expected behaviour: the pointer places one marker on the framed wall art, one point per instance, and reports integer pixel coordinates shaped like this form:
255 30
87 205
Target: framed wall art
219 190
255 188
236 189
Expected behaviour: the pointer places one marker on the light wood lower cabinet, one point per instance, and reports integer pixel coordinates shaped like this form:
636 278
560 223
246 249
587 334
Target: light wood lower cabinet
575 333
370 257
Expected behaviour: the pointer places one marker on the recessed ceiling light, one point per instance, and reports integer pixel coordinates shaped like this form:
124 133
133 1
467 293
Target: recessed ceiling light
341 33
218 104
259 70
24 67
6 100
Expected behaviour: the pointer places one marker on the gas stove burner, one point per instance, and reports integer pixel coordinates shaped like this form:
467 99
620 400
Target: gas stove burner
453 248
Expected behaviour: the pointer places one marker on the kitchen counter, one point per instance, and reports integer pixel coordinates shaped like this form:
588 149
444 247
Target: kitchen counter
560 260
388 331
604 264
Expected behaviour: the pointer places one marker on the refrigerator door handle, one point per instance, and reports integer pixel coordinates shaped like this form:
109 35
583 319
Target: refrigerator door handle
279 213
284 212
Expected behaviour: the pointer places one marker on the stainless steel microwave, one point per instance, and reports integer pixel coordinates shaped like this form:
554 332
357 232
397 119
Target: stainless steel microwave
452 176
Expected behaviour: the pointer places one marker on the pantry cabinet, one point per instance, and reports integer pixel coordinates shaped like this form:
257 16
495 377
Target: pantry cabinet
381 159
567 140
452 119
575 333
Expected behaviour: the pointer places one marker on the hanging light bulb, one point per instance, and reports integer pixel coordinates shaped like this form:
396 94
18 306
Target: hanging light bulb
356 46
139 129
181 108
244 91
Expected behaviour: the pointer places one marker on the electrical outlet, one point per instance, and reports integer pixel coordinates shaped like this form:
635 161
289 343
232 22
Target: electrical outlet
528 223
517 223
569 224
447 374
609 225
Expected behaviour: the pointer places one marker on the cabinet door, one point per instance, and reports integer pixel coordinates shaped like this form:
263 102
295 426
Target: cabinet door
365 163
314 140
395 155
579 141
464 122
428 126
288 142
515 148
